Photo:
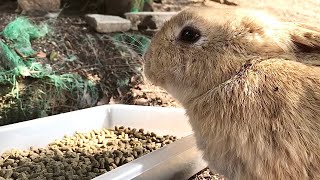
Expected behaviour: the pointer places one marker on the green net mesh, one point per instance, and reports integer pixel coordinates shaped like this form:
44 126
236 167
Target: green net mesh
137 5
138 43
18 61
21 31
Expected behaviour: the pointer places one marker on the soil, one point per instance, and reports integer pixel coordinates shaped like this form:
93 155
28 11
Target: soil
116 71
206 175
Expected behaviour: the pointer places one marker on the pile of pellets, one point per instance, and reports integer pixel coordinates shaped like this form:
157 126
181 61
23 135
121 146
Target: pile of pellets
81 156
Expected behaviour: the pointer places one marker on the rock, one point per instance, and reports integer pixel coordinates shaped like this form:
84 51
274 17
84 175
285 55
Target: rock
38 6
142 102
148 20
108 24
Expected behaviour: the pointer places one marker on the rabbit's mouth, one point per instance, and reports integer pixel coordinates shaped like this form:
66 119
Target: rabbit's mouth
157 81
153 74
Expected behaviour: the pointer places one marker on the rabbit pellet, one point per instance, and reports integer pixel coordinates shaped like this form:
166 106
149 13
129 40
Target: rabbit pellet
81 156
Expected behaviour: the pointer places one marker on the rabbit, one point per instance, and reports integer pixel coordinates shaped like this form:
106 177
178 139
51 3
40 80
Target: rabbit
250 85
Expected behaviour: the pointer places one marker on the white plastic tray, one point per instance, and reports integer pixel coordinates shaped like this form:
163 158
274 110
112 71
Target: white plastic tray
163 121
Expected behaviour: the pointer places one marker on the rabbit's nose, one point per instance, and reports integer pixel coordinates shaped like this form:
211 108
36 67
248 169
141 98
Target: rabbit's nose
143 57
146 55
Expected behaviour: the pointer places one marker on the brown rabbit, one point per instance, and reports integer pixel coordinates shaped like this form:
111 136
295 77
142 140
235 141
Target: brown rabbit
249 86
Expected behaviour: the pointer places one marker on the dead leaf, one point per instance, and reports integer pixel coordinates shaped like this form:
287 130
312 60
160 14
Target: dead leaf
41 54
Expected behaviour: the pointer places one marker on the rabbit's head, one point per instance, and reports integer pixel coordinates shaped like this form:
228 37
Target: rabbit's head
201 48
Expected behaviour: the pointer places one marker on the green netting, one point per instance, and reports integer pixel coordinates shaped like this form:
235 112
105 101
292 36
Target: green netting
138 43
21 31
137 5
17 61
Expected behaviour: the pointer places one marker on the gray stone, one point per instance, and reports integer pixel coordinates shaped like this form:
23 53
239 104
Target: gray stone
148 20
31 6
108 24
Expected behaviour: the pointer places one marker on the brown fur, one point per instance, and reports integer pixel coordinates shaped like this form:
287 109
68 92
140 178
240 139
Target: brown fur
250 88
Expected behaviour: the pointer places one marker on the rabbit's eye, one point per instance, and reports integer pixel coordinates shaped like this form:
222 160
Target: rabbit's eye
189 35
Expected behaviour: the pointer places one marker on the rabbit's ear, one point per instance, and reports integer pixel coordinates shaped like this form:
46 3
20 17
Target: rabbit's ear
305 38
